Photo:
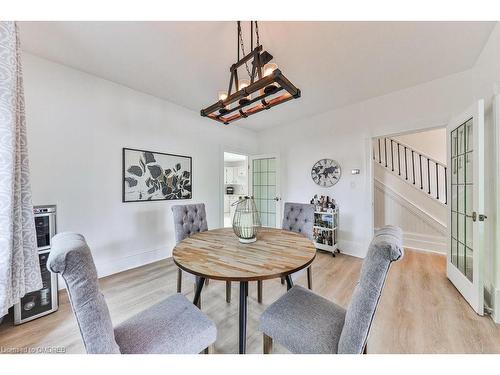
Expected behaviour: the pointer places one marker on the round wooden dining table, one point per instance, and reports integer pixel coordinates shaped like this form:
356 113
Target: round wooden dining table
217 254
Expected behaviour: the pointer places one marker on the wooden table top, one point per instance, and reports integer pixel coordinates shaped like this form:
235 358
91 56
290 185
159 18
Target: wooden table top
217 254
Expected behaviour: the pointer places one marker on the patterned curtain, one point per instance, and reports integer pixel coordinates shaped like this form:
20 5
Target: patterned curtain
19 266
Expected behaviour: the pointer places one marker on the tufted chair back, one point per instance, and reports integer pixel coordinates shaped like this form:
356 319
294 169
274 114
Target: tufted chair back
299 218
71 257
189 219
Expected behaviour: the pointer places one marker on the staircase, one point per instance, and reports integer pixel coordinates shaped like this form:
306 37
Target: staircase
411 192
420 170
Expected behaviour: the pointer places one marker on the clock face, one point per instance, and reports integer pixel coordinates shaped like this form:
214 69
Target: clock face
326 172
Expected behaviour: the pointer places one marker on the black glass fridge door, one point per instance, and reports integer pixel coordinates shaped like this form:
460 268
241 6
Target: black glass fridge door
40 301
42 226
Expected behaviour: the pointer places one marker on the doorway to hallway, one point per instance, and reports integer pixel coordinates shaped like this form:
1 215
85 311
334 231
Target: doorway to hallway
235 183
410 187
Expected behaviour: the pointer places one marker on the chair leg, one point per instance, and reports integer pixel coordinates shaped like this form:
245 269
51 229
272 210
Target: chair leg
206 282
268 344
309 278
228 291
179 280
199 300
282 281
259 291
209 349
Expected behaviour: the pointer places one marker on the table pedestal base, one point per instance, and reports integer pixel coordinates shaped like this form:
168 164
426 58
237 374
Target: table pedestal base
242 331
243 317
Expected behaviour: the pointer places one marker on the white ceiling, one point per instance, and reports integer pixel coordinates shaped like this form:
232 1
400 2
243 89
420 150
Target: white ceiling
333 63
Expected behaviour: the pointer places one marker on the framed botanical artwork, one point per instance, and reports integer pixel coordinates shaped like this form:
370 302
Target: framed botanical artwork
154 176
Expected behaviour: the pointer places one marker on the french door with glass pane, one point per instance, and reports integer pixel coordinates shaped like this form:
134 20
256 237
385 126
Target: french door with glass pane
466 197
265 189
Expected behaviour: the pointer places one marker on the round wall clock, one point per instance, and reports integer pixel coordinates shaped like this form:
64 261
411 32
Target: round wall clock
326 172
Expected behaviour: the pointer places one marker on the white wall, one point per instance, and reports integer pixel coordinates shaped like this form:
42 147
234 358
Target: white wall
344 134
77 126
432 143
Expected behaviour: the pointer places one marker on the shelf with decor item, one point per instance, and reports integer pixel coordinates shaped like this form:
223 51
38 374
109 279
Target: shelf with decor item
326 224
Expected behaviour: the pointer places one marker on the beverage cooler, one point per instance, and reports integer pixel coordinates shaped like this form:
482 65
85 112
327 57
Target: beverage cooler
44 301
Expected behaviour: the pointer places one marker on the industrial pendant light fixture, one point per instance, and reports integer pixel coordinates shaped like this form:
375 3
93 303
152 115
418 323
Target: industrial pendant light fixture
266 87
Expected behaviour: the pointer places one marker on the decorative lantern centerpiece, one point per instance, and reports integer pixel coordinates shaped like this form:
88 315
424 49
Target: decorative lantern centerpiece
246 220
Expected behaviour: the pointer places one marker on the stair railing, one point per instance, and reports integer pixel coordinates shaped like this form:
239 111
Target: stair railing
418 169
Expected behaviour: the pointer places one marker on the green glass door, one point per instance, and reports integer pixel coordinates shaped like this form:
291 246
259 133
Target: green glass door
462 186
264 173
466 196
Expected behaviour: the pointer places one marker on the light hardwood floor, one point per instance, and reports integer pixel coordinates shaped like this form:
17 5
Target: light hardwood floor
420 310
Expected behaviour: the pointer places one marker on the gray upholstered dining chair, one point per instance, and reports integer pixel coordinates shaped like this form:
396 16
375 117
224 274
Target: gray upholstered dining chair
304 322
298 218
190 219
173 325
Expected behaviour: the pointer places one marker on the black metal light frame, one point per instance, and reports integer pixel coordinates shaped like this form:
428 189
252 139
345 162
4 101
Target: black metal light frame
265 87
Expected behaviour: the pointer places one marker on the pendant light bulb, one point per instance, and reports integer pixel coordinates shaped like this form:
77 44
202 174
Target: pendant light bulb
242 84
222 95
269 68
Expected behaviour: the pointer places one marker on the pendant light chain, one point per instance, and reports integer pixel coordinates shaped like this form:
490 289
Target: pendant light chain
242 45
257 33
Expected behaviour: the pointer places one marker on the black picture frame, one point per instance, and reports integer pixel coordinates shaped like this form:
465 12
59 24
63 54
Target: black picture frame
126 176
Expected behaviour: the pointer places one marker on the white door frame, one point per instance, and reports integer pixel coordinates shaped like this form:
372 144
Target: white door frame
279 205
495 252
473 292
232 150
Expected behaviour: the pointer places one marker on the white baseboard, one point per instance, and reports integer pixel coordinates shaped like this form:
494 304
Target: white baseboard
417 241
352 248
424 242
128 262
432 244
131 261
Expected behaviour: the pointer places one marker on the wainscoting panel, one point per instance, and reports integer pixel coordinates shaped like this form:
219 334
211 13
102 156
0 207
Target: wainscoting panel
421 231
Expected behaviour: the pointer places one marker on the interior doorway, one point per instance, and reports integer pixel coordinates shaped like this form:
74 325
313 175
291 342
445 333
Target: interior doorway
410 187
235 183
